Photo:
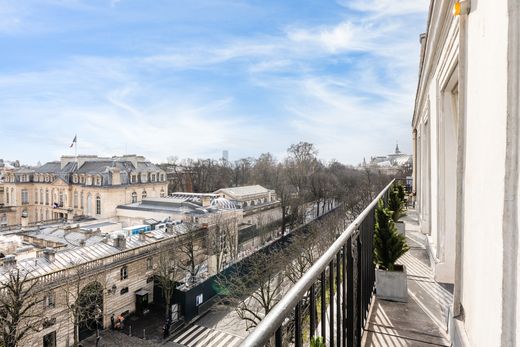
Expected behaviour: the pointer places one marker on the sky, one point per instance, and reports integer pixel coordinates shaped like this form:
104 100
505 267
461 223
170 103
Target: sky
192 78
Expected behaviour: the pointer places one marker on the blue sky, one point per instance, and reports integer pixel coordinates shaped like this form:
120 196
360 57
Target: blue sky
191 78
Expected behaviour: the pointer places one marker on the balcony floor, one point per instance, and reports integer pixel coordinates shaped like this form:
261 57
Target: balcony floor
422 321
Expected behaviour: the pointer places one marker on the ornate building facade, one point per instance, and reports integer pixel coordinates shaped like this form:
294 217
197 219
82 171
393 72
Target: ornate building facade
89 186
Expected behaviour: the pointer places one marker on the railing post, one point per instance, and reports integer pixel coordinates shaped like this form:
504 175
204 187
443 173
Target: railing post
323 307
331 300
297 325
344 297
359 294
350 294
338 299
312 311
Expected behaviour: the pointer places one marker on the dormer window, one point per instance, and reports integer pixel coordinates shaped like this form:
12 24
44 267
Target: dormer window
82 179
98 180
75 178
133 178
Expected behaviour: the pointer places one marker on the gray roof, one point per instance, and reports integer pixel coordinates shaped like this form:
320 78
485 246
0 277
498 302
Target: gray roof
71 257
240 192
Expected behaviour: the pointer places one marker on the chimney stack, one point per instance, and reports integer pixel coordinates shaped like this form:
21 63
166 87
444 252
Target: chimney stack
49 254
120 242
10 260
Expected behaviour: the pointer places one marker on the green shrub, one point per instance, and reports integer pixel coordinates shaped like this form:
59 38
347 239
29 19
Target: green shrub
396 205
317 341
400 192
389 245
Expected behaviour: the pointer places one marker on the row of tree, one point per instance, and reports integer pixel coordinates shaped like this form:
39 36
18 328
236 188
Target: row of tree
301 177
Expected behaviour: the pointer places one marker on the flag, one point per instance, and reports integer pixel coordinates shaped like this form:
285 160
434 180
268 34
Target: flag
75 140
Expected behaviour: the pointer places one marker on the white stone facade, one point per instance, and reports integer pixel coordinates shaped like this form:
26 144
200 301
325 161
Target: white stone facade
466 155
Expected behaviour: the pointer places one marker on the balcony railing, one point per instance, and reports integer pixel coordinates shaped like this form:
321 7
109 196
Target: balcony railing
346 271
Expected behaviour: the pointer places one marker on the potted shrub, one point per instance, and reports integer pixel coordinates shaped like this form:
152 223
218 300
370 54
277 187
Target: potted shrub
396 206
401 193
389 245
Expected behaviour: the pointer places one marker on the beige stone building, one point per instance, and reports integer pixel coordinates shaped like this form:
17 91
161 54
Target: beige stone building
89 186
119 270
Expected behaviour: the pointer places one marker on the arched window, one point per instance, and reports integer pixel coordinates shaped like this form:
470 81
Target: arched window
7 196
144 194
98 205
75 199
134 197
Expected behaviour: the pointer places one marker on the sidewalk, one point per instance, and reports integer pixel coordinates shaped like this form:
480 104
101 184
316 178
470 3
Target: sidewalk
422 321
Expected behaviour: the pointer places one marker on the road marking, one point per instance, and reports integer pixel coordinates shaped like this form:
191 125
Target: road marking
187 332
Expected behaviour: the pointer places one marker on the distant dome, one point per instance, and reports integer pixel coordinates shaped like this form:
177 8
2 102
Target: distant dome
223 203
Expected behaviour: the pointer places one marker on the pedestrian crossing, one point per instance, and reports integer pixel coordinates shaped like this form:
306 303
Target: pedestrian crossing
197 335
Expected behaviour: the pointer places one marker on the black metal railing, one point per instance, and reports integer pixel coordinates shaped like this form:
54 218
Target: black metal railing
340 285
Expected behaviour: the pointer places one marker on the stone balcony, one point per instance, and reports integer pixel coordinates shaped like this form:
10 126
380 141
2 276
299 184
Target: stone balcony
422 321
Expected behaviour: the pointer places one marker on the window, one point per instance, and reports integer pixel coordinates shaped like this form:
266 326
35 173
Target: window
75 178
36 196
134 197
144 194
133 179
49 340
124 290
7 196
149 263
82 179
124 273
81 200
41 196
98 205
75 199
50 300
46 196
25 197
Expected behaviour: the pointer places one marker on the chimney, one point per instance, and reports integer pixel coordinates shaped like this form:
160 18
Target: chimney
142 237
206 201
49 254
82 243
10 260
120 242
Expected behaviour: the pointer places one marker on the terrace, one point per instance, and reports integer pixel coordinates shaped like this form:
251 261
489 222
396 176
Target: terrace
336 299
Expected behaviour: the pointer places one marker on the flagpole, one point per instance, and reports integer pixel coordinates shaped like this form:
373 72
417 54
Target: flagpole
76 151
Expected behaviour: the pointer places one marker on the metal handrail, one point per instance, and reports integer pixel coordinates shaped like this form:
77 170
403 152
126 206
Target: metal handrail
274 319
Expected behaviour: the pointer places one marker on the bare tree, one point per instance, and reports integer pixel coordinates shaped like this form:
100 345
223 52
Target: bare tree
167 274
83 300
255 288
223 239
20 307
191 247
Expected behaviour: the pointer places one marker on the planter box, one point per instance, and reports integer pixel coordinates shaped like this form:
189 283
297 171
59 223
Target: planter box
400 227
392 285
